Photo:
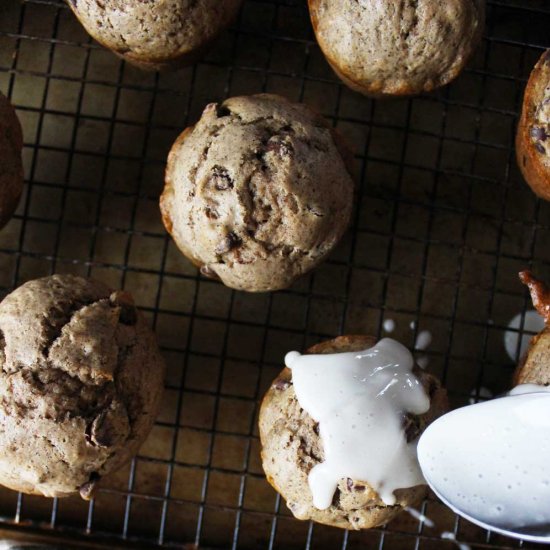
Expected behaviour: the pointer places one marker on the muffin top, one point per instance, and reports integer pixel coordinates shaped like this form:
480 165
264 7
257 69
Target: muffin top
81 379
292 446
257 192
398 47
11 166
154 30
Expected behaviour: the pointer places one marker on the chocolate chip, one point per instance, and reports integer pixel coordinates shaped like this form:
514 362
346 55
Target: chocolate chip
211 213
411 427
2 345
538 133
87 489
279 146
230 242
221 179
316 428
540 148
101 432
354 487
128 315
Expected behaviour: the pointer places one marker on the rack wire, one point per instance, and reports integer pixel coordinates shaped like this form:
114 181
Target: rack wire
442 225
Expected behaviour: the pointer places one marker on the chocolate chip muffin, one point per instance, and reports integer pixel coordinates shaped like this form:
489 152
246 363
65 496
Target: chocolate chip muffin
397 47
156 35
81 380
291 447
533 135
534 367
257 192
11 165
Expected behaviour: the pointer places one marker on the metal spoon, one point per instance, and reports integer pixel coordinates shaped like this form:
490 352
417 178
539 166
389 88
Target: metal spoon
490 463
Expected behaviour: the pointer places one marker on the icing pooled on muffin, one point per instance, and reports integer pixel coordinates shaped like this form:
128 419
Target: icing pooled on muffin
359 399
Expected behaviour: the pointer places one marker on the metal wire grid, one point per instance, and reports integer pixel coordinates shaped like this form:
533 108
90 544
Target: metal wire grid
443 224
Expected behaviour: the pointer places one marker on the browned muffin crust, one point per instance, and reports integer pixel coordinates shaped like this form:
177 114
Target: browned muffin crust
159 35
81 379
258 192
534 367
291 447
533 135
11 164
397 47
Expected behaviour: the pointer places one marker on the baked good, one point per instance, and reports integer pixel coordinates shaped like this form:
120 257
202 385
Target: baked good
11 165
257 192
156 35
81 382
534 367
292 446
533 135
397 47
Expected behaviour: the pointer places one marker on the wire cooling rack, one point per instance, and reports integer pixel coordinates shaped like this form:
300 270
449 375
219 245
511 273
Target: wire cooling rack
443 223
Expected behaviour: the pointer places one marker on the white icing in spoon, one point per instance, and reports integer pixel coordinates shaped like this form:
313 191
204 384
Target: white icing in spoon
359 399
490 462
533 323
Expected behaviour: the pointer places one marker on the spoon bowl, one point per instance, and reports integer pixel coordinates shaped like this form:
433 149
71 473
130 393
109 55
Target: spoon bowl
490 463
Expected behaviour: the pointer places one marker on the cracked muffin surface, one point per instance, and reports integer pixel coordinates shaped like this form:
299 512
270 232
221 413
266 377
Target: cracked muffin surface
11 164
155 34
533 135
291 447
397 47
81 380
257 192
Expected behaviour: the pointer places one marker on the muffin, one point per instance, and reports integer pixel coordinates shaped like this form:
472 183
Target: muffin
158 35
257 192
292 446
396 48
534 367
81 383
11 165
533 135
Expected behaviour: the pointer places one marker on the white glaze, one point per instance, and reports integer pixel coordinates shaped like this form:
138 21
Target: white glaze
447 535
417 514
423 340
489 461
389 325
522 389
533 324
428 522
359 398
